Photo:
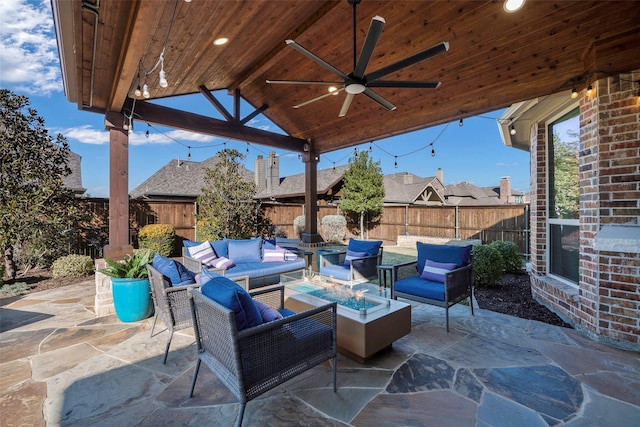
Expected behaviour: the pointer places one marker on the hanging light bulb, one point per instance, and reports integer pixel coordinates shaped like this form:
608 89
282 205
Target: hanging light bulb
138 92
460 123
355 152
145 91
334 165
574 93
589 90
247 148
147 134
189 153
433 152
163 79
512 129
395 164
125 125
370 148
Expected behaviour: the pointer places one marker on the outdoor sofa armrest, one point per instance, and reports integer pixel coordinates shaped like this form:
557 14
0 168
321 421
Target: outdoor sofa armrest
272 296
332 258
458 283
366 267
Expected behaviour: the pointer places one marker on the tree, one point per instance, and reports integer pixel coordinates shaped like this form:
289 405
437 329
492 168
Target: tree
363 189
35 207
566 176
227 208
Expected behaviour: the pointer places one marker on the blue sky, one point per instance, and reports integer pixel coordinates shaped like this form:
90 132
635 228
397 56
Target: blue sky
29 66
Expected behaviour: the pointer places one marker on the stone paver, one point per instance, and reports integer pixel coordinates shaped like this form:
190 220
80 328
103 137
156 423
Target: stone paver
62 365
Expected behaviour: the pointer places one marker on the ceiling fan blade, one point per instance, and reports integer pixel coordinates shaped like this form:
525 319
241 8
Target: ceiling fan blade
405 84
380 100
316 59
346 104
375 29
302 82
335 92
414 59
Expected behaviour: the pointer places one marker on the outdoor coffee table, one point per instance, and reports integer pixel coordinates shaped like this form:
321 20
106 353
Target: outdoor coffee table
367 321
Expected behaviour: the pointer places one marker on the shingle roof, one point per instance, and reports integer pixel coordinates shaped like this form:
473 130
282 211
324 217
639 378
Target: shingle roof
294 185
179 178
466 194
396 191
74 180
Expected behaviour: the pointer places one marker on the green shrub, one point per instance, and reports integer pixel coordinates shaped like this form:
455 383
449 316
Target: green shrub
1 272
513 261
13 288
334 228
72 266
157 237
487 265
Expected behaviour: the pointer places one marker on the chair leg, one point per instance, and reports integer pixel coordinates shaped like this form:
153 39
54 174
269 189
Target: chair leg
195 377
155 319
446 310
471 304
335 363
166 350
240 414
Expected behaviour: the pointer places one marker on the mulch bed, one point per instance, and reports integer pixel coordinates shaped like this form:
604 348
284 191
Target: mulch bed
512 296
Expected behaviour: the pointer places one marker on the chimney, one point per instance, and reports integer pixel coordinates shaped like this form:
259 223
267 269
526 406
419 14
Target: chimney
259 173
408 178
440 175
273 171
505 189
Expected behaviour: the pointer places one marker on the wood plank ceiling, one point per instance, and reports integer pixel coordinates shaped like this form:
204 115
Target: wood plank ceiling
495 58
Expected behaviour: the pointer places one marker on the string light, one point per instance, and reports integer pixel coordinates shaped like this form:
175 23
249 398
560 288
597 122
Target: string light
145 91
147 132
355 152
512 129
395 164
370 148
574 93
334 165
189 153
589 90
433 152
461 123
247 148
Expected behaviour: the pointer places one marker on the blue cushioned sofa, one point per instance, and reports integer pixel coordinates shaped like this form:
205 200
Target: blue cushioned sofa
257 258
446 280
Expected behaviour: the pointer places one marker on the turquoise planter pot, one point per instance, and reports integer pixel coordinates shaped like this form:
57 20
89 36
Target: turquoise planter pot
132 299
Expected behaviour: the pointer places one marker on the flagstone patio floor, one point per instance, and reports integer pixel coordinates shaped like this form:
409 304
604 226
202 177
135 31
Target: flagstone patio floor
61 365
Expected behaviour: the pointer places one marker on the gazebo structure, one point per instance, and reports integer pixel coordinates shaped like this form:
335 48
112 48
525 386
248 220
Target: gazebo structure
118 56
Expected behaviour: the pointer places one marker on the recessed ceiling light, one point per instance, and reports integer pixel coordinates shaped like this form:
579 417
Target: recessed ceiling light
220 41
513 5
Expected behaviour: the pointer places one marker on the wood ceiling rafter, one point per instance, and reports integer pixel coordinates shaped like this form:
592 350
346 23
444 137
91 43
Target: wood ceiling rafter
256 68
225 113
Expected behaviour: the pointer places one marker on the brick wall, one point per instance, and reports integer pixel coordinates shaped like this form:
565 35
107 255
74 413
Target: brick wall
606 303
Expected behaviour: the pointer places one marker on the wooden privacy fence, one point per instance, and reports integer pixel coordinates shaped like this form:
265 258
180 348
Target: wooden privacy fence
487 223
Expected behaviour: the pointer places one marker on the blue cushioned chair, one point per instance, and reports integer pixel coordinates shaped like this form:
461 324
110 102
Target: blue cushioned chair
357 264
447 280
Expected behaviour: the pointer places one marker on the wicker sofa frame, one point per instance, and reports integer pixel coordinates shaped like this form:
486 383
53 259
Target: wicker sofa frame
255 360
458 285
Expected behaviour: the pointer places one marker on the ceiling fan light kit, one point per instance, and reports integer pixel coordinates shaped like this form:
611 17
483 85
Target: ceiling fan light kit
357 81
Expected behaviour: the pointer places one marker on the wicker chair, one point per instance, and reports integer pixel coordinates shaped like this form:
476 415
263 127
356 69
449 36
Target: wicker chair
360 270
255 360
172 303
457 286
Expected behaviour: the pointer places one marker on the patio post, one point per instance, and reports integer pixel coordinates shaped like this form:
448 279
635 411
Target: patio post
310 234
119 244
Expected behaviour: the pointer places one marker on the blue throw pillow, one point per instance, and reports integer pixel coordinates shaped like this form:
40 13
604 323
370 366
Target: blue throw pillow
371 247
232 296
177 273
435 271
242 251
221 248
268 244
351 255
459 255
268 314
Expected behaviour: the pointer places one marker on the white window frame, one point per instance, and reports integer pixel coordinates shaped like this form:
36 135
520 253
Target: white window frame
555 221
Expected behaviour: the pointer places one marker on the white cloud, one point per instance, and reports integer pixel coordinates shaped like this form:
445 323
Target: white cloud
86 134
28 49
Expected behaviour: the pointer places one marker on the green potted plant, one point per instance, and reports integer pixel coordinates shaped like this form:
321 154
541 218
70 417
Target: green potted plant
130 286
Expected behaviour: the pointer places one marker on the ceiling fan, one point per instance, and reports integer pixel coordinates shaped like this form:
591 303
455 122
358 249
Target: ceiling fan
357 81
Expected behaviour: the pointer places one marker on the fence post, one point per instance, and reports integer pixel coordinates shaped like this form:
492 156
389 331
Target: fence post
457 223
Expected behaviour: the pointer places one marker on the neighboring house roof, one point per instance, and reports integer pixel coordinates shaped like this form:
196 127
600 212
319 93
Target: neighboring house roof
179 178
292 186
74 180
466 194
407 188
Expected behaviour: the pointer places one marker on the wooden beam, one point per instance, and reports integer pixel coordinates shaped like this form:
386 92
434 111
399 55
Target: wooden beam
214 101
255 113
178 119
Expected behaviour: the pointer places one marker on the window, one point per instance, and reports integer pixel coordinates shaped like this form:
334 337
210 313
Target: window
564 197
